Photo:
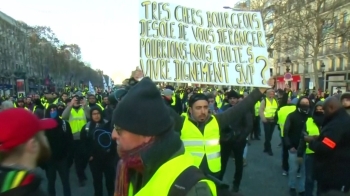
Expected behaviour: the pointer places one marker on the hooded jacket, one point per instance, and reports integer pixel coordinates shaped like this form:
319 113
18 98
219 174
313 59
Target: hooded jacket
25 184
60 138
294 125
318 120
90 144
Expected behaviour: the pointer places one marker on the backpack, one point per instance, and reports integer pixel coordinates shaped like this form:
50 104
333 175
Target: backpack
189 178
101 137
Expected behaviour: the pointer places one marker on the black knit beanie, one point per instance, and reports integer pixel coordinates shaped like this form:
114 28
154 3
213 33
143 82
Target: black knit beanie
142 110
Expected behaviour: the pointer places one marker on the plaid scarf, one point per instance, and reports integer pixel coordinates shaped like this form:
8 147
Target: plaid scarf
129 160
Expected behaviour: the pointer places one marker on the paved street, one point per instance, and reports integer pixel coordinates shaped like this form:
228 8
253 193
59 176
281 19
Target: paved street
262 176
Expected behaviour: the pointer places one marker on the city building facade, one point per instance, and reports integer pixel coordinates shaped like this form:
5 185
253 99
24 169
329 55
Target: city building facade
332 64
14 57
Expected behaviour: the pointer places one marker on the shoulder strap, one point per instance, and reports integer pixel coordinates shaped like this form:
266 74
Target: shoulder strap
64 125
185 181
87 126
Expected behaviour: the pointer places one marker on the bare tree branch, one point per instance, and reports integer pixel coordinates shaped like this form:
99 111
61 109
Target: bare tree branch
306 28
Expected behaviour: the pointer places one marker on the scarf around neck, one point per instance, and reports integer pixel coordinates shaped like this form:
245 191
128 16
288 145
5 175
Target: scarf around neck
146 160
129 160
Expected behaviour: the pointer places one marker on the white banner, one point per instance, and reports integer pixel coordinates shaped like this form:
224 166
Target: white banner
189 45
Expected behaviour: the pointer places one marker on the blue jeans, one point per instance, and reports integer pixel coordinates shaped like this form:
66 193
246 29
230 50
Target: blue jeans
309 175
294 169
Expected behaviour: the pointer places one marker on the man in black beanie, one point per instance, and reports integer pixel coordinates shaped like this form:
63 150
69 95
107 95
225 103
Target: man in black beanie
201 131
151 152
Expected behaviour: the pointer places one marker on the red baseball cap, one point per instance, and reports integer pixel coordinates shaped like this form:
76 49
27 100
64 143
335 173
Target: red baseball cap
18 125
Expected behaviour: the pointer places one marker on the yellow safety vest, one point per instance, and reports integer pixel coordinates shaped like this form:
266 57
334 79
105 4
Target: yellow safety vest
257 108
312 129
77 120
174 99
218 100
99 105
282 115
34 108
270 109
166 176
322 99
54 102
200 145
181 96
241 92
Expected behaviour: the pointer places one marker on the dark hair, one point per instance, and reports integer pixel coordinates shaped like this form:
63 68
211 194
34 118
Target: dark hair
232 94
196 97
211 96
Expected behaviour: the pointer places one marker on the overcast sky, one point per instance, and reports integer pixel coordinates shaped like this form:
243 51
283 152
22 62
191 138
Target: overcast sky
98 27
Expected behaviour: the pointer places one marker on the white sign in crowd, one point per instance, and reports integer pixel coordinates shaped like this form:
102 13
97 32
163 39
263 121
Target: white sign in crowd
188 45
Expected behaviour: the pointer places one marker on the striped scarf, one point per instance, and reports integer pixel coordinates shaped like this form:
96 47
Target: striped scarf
128 160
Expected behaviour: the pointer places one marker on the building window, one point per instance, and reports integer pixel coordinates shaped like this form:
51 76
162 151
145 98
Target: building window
341 63
306 67
333 64
345 18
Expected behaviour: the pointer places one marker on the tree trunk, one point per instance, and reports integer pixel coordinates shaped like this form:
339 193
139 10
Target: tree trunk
314 62
303 77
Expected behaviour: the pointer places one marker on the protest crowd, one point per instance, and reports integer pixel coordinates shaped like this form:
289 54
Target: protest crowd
145 140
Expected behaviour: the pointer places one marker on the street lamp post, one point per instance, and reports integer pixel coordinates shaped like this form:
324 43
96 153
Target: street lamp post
323 68
288 63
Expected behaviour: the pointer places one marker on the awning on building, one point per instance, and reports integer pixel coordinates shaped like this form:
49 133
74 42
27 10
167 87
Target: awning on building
296 78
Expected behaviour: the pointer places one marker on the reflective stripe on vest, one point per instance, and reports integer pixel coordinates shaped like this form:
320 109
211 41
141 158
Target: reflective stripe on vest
77 120
257 108
166 176
282 115
270 108
199 145
174 100
311 129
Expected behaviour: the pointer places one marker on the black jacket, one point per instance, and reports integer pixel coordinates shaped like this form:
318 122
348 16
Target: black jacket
60 140
332 163
91 145
293 127
239 129
29 186
318 120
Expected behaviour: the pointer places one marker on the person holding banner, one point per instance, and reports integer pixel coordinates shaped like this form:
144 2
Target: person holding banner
199 125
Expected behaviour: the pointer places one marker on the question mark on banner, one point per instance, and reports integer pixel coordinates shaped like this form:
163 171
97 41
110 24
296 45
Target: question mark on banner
264 69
